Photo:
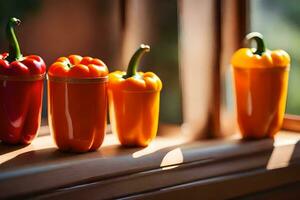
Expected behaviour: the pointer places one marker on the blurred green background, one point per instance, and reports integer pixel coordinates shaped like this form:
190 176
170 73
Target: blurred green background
279 22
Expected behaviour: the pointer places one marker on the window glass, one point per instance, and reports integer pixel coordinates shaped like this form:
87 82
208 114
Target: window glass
163 58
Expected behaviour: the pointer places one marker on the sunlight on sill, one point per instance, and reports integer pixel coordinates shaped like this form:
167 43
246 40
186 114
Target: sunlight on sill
157 145
8 152
38 144
281 158
172 158
286 138
42 142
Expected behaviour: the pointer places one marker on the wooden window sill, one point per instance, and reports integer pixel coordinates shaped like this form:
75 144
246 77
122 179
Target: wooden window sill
291 122
169 166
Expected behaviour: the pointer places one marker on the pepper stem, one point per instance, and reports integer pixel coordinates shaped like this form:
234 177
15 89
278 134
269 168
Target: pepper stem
135 60
260 44
14 48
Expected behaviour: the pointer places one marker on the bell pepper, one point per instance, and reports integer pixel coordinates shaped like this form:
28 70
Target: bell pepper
261 83
21 91
134 103
77 102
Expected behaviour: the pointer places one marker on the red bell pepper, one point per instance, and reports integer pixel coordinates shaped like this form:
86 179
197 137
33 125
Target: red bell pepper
21 90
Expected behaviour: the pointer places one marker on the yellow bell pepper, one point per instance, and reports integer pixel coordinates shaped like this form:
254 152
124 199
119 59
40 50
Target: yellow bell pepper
134 103
261 82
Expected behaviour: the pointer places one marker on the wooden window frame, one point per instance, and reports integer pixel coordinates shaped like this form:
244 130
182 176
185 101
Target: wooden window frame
291 123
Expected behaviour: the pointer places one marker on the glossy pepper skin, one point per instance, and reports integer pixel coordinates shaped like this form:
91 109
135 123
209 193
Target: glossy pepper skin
261 83
77 103
21 91
134 103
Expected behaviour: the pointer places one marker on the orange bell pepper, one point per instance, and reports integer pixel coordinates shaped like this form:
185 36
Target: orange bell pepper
261 82
77 102
134 103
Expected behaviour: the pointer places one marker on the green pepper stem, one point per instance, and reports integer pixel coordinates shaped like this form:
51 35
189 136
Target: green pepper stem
135 60
14 48
260 44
